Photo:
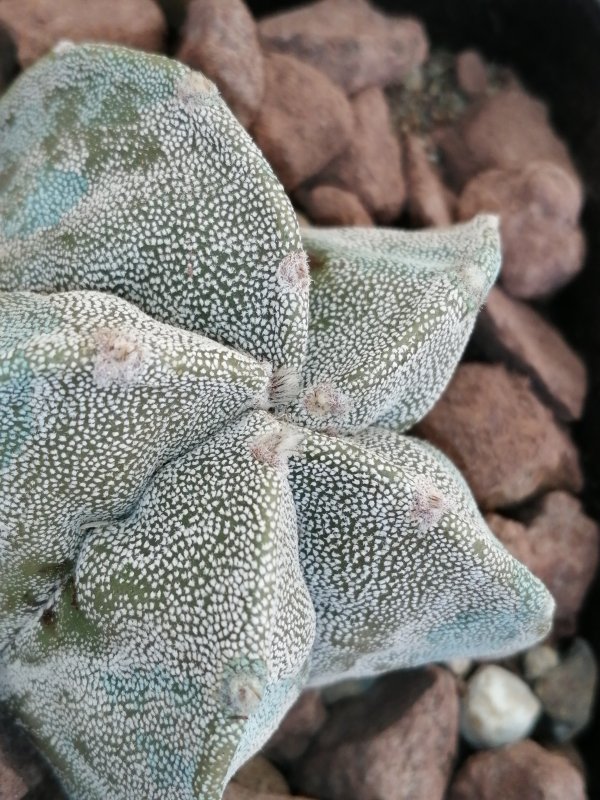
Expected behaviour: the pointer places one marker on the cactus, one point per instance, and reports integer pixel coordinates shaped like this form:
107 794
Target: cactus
208 501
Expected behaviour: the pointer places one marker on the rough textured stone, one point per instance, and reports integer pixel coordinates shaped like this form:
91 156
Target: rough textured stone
304 121
514 332
560 546
471 73
8 58
260 775
302 722
497 708
236 792
539 660
507 130
348 40
219 38
12 786
21 765
571 753
502 438
396 741
371 165
37 25
518 772
427 197
329 205
539 205
567 691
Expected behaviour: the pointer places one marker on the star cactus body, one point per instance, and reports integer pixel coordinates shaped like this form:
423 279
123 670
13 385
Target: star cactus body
208 501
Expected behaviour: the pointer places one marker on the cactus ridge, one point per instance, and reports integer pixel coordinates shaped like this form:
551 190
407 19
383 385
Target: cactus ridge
208 499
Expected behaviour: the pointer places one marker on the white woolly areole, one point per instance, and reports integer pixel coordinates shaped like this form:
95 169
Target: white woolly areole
244 693
120 357
276 447
429 503
194 87
293 272
324 399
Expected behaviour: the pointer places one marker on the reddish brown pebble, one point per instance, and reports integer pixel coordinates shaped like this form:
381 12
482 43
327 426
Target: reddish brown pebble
12 786
507 130
514 332
397 740
304 121
328 205
236 792
220 39
260 775
504 440
348 40
302 722
37 25
522 771
571 753
371 165
560 546
427 200
471 73
539 205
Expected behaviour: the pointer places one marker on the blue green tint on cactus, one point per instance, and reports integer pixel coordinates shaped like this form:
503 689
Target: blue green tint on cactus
207 499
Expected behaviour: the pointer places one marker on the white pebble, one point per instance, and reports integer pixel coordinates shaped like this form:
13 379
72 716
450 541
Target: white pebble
498 708
460 666
539 660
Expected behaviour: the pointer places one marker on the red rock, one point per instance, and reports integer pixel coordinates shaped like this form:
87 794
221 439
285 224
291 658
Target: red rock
506 130
304 121
12 786
236 792
539 205
522 771
37 25
514 332
503 439
371 166
220 39
427 199
329 205
260 775
398 740
571 753
302 722
471 73
560 546
348 40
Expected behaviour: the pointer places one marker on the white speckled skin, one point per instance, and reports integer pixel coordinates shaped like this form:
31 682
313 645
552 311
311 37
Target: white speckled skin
399 562
390 313
198 515
127 173
150 666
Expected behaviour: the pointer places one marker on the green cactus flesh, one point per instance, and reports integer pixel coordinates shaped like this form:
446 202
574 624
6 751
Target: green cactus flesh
390 314
104 396
400 564
169 649
127 173
207 501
